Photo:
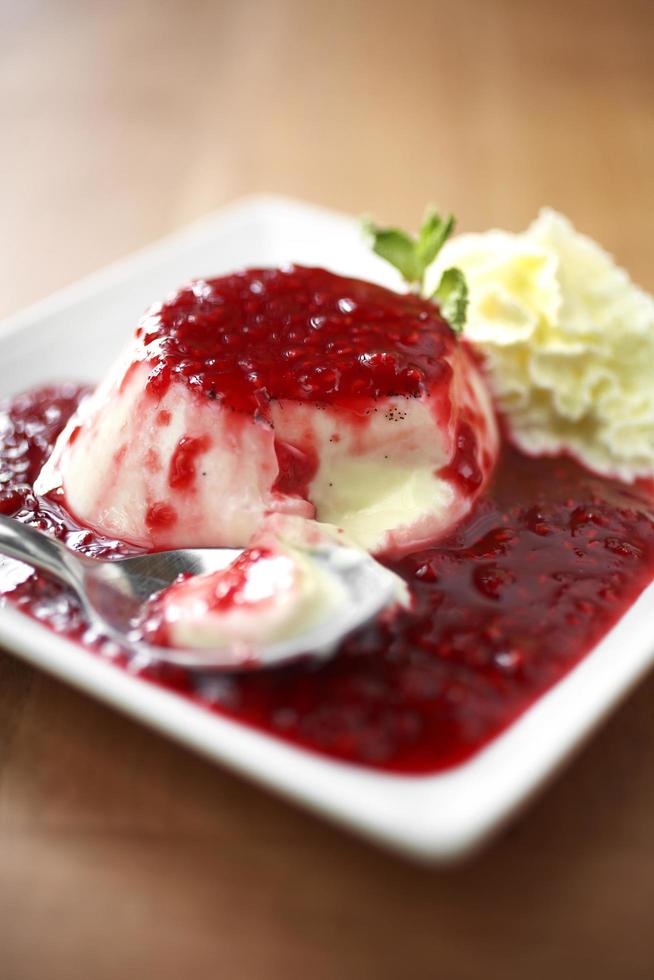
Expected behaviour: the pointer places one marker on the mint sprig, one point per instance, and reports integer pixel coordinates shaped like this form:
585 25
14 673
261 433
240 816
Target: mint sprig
399 249
412 256
433 234
452 296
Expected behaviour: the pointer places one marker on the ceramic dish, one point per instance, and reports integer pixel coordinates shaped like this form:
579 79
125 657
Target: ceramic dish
74 335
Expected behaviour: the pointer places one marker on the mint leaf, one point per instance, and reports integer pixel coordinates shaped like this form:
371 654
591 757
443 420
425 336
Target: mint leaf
398 248
412 256
432 236
452 296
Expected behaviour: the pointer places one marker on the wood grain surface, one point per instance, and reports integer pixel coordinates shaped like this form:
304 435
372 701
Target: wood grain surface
121 855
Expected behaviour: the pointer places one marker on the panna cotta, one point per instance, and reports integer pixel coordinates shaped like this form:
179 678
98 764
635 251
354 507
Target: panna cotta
278 588
288 390
265 595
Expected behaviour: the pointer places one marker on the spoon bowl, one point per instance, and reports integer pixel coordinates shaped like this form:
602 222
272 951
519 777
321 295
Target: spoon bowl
113 594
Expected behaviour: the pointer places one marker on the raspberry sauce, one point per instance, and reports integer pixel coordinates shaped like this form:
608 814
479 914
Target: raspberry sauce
547 562
295 333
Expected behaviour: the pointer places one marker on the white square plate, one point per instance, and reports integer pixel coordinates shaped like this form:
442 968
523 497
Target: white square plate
74 335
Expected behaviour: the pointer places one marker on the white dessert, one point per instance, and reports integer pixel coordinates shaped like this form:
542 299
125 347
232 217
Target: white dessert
275 590
177 469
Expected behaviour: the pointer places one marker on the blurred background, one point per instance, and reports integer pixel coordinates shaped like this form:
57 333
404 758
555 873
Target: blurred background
121 120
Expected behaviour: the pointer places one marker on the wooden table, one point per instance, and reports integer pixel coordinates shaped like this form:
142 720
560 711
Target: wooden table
120 854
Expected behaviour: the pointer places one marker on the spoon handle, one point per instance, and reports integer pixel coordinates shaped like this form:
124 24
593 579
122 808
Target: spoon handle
37 549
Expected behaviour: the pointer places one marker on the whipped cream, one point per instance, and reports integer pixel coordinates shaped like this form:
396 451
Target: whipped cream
567 340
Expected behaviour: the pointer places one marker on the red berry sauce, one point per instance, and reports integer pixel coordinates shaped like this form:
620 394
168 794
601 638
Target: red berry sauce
182 466
295 333
547 562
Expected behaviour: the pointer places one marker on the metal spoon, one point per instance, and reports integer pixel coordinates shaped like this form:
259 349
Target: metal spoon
113 592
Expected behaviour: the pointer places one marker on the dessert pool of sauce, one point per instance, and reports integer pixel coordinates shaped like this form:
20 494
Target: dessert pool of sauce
546 563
